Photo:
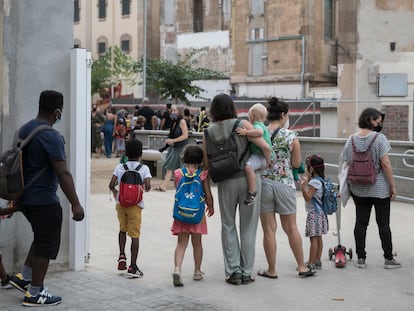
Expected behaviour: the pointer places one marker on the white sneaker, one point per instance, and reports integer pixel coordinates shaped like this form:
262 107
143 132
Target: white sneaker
391 264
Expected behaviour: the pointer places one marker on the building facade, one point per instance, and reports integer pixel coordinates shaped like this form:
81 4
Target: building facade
100 24
347 54
282 48
376 64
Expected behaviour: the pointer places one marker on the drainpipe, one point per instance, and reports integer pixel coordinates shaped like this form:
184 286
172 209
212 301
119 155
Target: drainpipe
283 38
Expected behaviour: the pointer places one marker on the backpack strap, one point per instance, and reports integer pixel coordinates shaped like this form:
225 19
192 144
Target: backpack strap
274 134
369 146
32 134
235 125
126 168
25 141
316 202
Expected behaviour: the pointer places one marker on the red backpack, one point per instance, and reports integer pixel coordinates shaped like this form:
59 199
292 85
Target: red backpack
131 187
362 169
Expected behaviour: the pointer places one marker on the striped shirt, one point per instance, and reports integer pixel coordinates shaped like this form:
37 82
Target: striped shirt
380 147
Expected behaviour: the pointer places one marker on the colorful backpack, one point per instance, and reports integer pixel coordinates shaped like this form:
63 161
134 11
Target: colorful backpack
329 197
131 187
189 202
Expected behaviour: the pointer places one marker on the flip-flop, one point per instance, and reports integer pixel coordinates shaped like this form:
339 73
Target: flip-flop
158 188
265 274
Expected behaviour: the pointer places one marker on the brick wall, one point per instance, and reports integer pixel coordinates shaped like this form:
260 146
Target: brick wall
395 125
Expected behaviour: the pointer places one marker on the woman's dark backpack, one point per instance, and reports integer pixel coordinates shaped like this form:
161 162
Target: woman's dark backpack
224 159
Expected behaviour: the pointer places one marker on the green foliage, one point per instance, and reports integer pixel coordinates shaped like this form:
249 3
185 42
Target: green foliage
175 80
108 71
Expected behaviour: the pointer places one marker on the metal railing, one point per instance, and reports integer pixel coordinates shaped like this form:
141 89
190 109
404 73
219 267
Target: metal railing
409 154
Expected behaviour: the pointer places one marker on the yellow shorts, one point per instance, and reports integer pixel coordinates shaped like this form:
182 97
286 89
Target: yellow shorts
129 220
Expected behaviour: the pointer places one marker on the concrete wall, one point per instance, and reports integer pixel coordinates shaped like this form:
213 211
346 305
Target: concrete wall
329 148
35 54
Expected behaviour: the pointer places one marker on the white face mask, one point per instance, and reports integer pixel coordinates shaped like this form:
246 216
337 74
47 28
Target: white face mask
286 125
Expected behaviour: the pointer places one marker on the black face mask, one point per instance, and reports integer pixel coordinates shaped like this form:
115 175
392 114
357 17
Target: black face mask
378 128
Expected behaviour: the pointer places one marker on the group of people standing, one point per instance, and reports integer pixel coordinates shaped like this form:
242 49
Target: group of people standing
111 129
275 189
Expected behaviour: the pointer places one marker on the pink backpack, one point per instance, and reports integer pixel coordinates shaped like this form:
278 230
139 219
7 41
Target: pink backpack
362 169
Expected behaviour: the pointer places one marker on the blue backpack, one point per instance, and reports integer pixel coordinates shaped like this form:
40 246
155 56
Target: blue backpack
189 198
329 197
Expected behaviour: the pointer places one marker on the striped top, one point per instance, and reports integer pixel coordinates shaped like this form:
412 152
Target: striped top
380 147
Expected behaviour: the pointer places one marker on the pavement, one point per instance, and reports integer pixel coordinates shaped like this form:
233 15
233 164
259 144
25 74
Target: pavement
100 286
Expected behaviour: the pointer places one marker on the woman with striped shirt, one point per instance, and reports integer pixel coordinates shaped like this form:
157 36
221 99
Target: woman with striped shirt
378 194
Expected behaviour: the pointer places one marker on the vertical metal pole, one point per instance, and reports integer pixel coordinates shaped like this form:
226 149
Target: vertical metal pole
144 62
302 74
314 116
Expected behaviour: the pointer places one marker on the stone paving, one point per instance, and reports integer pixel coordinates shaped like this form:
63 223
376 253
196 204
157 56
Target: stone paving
101 287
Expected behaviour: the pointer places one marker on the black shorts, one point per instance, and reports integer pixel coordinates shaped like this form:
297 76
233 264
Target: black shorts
46 222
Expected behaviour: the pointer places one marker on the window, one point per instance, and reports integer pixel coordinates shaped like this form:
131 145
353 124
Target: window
257 33
329 19
76 17
102 45
76 43
126 43
125 46
197 15
102 8
101 48
126 7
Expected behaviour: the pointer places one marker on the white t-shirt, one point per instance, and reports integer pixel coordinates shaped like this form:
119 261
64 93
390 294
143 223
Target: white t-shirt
144 171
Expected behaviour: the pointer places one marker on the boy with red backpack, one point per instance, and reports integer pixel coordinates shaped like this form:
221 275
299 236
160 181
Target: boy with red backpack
132 178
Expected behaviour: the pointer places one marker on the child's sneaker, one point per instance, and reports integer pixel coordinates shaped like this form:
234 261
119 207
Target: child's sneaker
177 279
19 283
249 200
318 265
41 299
391 264
122 262
311 267
6 283
134 271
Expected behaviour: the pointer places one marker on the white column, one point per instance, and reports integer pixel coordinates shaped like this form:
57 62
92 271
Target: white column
80 142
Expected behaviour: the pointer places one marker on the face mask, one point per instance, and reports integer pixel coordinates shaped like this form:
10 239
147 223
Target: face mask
286 125
173 116
58 118
378 128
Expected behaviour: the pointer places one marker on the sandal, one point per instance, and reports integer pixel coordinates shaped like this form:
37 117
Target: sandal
159 188
198 276
266 274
